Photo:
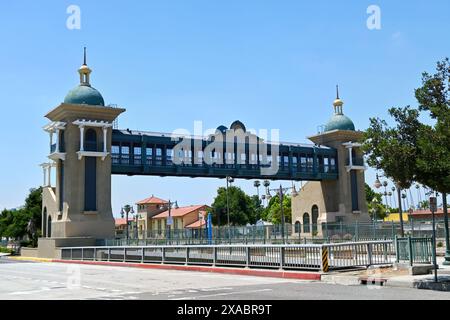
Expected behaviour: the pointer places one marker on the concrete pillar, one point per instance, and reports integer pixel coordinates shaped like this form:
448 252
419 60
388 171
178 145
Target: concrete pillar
81 138
105 131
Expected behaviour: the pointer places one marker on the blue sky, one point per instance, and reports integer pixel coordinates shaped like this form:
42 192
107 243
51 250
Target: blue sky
270 64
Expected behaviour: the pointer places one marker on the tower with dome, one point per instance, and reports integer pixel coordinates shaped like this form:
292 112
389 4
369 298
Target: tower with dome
341 200
78 210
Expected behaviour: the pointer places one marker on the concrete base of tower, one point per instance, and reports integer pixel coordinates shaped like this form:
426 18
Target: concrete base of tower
50 248
87 226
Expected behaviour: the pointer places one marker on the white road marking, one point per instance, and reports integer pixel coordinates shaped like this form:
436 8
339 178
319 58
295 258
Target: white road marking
30 292
222 294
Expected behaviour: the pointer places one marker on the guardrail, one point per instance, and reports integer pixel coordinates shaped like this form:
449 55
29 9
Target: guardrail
317 257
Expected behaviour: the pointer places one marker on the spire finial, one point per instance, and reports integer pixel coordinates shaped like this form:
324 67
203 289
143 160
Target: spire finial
338 103
84 71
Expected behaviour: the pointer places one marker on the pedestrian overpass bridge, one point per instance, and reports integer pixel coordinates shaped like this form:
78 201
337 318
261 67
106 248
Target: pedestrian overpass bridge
155 154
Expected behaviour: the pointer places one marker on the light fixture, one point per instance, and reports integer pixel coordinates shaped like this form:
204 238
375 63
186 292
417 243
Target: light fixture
377 183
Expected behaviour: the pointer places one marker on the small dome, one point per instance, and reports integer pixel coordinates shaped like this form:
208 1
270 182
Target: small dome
83 94
237 125
221 129
340 122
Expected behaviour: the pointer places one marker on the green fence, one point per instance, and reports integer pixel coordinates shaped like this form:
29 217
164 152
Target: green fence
273 234
414 250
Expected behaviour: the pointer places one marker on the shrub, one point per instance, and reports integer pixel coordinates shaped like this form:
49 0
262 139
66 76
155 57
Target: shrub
6 250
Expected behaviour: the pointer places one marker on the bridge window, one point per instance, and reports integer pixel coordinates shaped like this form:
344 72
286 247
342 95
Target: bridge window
199 159
115 154
243 158
332 164
125 157
310 164
158 156
169 157
303 164
306 221
294 162
90 141
137 152
286 161
315 217
149 156
297 227
326 165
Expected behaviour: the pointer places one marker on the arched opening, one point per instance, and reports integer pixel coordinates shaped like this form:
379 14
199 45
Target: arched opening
62 146
49 227
90 140
44 223
297 227
315 217
306 222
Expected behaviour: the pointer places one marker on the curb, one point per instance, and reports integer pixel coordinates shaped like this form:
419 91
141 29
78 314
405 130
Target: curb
242 272
30 259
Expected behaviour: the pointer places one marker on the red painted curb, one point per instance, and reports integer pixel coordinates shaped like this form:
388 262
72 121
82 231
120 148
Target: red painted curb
243 272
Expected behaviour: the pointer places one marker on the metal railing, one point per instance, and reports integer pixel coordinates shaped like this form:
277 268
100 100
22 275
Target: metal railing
414 250
288 257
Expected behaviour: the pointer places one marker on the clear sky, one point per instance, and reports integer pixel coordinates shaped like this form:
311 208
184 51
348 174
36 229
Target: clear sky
270 64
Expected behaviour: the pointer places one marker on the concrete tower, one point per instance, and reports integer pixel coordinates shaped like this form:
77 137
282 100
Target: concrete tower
340 200
78 209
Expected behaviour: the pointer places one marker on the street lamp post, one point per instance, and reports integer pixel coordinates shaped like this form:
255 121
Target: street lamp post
229 181
385 184
280 191
169 218
378 185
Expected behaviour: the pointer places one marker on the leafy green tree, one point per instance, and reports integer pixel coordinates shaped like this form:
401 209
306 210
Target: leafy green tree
242 207
258 209
394 149
16 224
375 203
434 143
371 194
273 211
424 204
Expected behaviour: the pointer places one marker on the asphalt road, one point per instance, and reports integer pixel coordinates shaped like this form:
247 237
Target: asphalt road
28 280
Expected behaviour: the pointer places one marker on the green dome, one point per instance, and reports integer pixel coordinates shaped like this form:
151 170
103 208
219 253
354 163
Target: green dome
339 122
84 94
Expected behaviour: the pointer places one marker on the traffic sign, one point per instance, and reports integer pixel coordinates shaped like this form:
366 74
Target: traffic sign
169 221
433 204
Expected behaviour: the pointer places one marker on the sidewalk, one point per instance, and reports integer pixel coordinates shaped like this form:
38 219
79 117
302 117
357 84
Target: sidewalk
391 277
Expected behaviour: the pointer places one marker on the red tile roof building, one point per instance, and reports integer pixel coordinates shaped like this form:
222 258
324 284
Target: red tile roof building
191 217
